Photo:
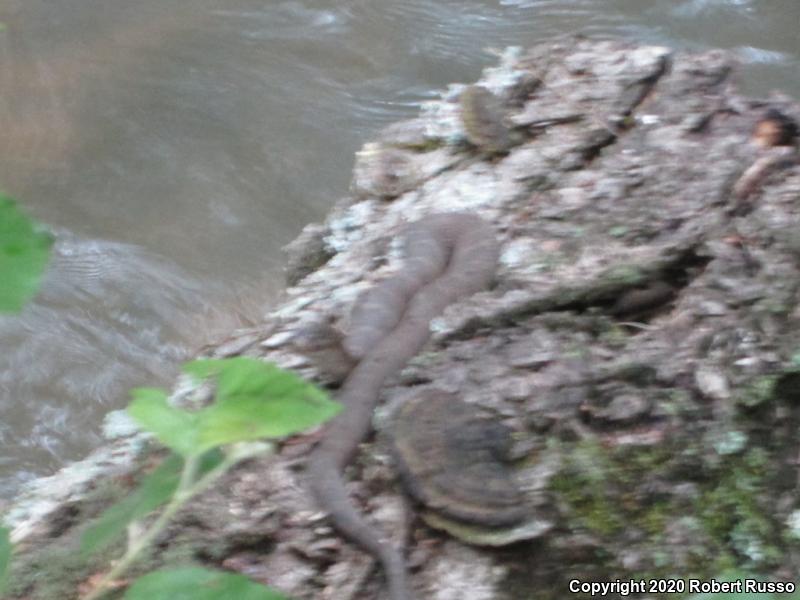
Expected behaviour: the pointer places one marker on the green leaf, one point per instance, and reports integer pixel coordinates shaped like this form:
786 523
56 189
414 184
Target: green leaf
155 490
256 399
24 250
194 583
5 557
175 428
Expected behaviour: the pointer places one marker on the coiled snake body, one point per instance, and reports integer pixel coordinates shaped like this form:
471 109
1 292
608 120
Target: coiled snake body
448 256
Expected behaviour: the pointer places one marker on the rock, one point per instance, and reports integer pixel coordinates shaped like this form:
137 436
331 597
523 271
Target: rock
306 253
384 172
712 383
484 121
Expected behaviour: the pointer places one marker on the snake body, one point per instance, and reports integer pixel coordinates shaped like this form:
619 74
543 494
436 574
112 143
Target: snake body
448 256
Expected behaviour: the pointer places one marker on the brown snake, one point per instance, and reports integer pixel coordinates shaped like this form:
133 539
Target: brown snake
448 256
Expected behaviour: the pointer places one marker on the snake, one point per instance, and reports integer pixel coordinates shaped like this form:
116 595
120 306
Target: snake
448 256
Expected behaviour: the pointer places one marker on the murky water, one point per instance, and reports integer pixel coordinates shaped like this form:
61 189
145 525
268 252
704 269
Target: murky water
174 147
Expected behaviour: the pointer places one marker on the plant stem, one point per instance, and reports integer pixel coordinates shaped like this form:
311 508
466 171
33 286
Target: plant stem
187 488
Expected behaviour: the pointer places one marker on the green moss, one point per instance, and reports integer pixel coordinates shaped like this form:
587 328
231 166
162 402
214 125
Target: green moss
725 561
614 336
654 519
581 499
429 145
678 402
626 275
774 306
783 386
634 463
757 392
731 513
53 567
583 485
52 572
757 460
601 489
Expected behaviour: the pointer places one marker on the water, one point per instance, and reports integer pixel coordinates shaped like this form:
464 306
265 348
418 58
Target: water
175 147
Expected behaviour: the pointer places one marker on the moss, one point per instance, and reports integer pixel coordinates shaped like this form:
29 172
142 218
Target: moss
58 572
50 574
757 460
775 306
732 515
783 386
583 486
725 561
624 275
757 392
604 491
614 336
637 462
654 519
678 402
601 489
429 145
53 567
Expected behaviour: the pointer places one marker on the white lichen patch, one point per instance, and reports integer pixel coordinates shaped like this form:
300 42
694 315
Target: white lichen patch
349 226
793 523
41 497
460 573
502 77
118 424
443 117
524 254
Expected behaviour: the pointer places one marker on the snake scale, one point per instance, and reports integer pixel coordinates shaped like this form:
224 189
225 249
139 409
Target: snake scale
448 256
